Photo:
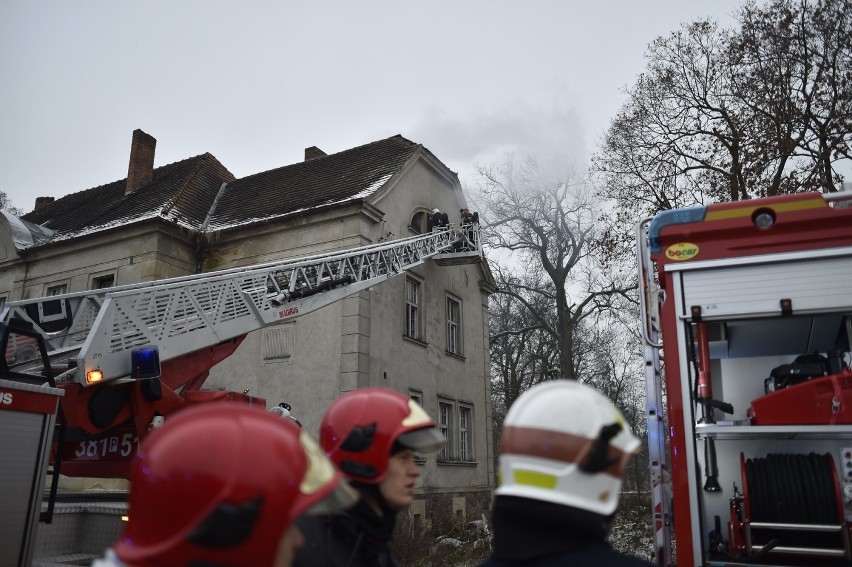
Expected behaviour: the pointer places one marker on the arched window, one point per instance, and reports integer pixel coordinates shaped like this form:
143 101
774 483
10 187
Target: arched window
419 222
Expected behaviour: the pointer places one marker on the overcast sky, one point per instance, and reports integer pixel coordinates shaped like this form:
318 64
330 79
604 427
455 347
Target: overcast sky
254 83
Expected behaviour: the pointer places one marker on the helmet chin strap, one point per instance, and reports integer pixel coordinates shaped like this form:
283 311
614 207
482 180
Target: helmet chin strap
373 496
598 459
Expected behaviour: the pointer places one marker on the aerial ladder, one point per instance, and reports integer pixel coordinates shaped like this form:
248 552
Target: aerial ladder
126 357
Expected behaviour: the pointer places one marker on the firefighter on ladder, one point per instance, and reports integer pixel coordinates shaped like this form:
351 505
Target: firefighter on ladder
469 220
221 484
563 450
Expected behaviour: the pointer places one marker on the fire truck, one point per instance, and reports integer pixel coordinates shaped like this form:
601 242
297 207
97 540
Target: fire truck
114 363
746 314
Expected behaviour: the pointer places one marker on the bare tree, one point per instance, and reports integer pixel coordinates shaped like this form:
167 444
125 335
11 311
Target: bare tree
725 115
522 353
543 232
6 205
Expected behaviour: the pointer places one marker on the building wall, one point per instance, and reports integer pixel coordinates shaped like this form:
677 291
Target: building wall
138 253
359 341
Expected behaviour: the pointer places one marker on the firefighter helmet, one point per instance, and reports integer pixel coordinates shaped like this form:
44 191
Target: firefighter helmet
220 483
565 443
361 429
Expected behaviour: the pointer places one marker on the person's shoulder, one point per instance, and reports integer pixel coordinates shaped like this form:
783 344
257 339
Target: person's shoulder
620 559
329 540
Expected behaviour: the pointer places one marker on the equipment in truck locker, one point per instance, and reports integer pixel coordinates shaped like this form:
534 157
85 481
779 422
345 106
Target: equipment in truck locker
744 289
818 401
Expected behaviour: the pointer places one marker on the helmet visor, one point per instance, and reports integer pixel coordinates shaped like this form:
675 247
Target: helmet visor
425 440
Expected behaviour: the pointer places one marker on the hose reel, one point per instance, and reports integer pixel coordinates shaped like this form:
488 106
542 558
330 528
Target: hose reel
792 504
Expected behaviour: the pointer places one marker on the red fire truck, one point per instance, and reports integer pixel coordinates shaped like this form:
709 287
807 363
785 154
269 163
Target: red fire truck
747 321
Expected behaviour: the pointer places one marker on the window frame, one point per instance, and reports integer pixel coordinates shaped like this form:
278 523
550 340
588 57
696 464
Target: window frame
413 329
454 328
445 426
419 222
60 287
98 278
466 451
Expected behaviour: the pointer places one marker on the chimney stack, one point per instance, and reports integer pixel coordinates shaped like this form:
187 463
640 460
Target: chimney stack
313 153
42 202
141 168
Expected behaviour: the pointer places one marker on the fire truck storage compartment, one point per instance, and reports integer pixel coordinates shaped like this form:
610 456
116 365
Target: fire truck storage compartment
730 288
27 417
750 335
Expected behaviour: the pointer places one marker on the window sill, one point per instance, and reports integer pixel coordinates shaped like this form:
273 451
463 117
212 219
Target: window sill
442 462
454 355
415 341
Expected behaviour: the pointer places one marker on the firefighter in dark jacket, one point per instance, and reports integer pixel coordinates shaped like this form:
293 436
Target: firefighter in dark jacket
563 450
371 435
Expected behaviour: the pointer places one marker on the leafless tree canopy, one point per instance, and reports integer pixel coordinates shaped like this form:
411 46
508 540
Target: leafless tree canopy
551 290
731 114
6 205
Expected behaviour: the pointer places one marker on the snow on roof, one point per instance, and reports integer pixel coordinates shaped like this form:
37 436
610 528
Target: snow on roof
26 234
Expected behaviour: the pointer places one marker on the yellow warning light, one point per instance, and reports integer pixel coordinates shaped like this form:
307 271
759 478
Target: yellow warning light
93 376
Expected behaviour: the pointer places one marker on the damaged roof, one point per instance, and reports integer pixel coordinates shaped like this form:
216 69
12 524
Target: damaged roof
181 192
189 193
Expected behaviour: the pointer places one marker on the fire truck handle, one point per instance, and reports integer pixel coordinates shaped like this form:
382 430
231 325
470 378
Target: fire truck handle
724 407
646 271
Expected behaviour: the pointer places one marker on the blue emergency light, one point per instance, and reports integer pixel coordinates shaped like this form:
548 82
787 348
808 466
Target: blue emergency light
145 363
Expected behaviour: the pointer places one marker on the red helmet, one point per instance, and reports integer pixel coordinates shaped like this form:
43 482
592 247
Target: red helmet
361 429
220 483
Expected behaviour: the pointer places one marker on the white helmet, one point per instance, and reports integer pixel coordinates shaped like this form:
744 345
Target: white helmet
565 443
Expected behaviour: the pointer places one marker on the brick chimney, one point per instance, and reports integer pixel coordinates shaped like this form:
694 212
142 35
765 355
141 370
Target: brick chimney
313 153
42 202
141 168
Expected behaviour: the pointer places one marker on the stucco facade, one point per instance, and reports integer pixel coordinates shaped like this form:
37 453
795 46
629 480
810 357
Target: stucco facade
363 340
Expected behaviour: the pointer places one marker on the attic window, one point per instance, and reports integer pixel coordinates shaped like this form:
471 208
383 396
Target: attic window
419 222
103 282
58 289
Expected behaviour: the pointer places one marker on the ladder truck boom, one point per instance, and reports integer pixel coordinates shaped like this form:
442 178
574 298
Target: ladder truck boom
93 338
100 328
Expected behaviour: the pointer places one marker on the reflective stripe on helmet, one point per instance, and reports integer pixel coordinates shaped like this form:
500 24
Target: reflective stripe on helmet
537 479
557 446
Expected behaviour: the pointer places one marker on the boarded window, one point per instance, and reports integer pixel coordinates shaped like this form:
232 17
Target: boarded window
277 344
